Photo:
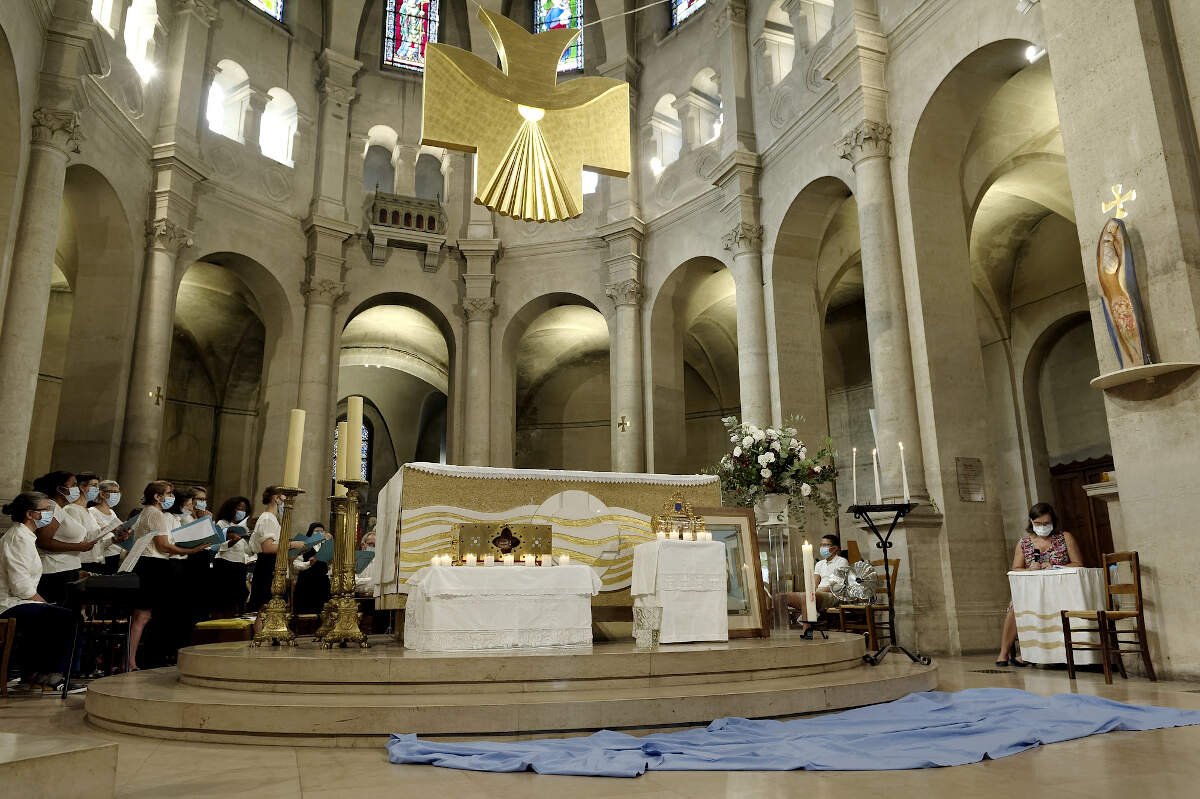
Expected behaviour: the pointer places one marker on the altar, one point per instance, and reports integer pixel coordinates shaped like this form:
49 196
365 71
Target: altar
597 518
687 580
469 608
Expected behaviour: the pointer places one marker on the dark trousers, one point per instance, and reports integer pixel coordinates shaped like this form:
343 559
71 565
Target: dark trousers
45 634
53 587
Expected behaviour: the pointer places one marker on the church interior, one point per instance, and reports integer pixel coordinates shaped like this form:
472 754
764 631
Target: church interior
953 245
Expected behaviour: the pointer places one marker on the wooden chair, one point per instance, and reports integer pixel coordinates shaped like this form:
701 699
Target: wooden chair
1108 634
8 637
870 622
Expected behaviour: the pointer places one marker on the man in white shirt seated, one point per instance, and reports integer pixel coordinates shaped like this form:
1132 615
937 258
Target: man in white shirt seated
829 560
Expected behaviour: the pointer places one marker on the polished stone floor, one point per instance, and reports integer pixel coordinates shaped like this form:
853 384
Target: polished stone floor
1159 763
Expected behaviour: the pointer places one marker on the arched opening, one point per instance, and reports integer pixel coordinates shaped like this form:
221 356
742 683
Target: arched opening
397 355
379 170
562 390
429 177
693 328
666 135
228 99
140 21
277 133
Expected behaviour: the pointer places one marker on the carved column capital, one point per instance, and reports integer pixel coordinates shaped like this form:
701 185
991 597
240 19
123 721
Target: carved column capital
744 237
870 139
334 92
479 309
625 292
58 128
163 234
204 10
322 291
732 12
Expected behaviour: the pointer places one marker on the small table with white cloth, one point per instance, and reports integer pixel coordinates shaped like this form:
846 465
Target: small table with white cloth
467 608
688 580
1038 598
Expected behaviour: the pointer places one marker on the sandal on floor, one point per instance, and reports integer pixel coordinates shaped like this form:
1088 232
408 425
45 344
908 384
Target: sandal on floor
1001 662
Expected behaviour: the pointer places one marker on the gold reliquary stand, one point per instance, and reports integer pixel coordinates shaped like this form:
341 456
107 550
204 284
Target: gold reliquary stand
275 616
339 617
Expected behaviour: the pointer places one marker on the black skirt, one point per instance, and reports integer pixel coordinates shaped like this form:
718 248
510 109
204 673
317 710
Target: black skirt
229 579
159 583
260 586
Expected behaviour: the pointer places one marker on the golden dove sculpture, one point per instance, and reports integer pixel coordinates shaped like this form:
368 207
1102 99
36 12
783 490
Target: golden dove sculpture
531 135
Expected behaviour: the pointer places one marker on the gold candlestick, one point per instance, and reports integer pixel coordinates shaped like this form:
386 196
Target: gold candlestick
345 629
337 512
275 615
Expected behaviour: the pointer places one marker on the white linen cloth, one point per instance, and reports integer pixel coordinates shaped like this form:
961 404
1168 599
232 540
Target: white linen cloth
465 608
688 580
1038 598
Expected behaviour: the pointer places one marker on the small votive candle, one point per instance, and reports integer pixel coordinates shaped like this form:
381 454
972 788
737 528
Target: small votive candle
527 560
468 559
508 560
489 560
544 561
436 560
447 560
660 535
564 559
687 536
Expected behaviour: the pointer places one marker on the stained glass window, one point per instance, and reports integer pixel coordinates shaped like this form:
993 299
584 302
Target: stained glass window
682 9
272 7
553 14
408 26
366 453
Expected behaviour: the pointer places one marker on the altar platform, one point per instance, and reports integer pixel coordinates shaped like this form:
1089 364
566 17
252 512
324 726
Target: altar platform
307 696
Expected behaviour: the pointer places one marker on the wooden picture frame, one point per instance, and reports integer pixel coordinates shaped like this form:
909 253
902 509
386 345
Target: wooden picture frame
749 608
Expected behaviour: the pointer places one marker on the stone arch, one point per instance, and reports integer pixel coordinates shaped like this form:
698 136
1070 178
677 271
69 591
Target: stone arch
12 150
228 100
693 352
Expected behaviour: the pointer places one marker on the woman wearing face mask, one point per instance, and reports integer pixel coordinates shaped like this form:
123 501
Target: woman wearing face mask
229 566
154 558
89 490
1043 546
62 542
312 574
108 497
46 630
264 543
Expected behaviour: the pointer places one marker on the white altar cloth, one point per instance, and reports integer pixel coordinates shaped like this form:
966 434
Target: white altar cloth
1039 597
466 608
687 579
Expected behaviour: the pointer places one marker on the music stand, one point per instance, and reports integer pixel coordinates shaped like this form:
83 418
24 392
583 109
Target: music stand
883 540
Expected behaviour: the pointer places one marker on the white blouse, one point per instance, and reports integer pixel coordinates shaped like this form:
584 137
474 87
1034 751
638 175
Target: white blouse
153 522
108 522
266 529
91 532
237 552
20 567
70 531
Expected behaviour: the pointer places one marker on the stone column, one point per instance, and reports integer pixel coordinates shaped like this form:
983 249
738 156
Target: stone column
55 135
868 148
479 307
336 88
256 104
185 77
628 418
317 371
142 436
404 164
745 242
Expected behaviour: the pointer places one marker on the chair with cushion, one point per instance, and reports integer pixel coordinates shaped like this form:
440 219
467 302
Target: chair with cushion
1109 643
867 618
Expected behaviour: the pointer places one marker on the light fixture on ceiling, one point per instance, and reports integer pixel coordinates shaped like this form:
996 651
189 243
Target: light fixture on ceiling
1033 53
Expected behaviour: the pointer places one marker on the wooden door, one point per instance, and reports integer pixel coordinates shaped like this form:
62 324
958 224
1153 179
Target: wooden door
1083 516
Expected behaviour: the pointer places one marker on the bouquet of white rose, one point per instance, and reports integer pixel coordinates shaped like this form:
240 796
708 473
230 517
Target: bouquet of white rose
774 461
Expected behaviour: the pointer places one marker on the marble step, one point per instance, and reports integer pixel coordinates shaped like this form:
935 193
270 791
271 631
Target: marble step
155 703
50 767
388 668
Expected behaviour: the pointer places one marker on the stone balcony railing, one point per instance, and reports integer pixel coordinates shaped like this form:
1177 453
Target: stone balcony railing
409 222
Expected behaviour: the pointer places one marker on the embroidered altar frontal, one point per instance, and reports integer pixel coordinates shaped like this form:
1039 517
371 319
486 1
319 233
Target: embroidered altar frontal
596 517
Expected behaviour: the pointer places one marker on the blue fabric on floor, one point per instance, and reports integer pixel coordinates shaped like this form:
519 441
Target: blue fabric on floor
919 731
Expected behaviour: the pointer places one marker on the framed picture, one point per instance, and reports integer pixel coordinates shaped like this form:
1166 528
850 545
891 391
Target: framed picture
749 613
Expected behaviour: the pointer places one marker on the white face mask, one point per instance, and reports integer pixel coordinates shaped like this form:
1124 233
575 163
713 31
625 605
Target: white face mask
239 515
1043 529
114 499
44 518
72 493
201 504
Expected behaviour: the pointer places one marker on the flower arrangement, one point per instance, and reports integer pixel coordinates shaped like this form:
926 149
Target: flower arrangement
774 461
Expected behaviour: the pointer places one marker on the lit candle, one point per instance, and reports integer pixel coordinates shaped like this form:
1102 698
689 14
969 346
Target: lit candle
660 535
544 561
687 535
527 560
508 560
875 467
295 443
564 559
903 471
339 490
854 471
489 560
354 419
436 560
810 590
468 559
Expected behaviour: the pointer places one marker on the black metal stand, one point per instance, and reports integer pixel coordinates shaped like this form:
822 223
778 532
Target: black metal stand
884 541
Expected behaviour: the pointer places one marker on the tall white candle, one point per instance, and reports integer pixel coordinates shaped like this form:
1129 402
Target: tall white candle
903 471
875 467
810 590
339 490
295 443
354 419
854 471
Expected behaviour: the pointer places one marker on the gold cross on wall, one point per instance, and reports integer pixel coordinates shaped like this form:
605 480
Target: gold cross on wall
1120 197
157 394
